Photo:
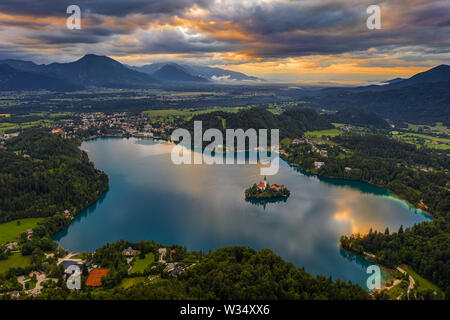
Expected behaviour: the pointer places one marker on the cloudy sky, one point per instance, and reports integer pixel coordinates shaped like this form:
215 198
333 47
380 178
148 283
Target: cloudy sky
304 41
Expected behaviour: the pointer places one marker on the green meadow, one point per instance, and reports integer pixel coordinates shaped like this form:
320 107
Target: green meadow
140 264
317 135
9 231
187 113
421 138
14 261
129 282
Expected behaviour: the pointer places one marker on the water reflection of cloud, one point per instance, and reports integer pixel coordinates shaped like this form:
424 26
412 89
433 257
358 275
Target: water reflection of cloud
203 207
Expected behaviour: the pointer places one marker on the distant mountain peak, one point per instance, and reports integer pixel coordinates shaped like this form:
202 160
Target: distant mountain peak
175 73
93 58
209 73
395 80
441 67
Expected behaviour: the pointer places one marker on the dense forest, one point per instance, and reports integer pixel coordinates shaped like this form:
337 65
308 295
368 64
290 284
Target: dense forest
358 117
291 123
383 147
42 174
227 274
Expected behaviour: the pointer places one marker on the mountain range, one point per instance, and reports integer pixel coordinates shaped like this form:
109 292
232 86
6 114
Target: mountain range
423 98
172 72
101 71
208 73
13 79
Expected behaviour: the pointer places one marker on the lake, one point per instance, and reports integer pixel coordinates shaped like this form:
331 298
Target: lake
203 207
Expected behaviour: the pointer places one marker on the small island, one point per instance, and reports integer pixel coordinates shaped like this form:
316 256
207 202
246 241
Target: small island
264 192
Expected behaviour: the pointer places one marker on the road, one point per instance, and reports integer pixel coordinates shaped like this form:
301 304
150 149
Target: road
412 283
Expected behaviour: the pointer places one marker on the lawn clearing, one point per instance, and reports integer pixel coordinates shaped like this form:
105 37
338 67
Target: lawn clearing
140 264
428 140
396 291
317 135
14 261
188 113
129 282
9 231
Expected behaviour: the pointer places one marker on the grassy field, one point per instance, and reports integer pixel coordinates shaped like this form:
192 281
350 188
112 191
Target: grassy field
168 115
10 230
397 291
437 128
14 261
140 264
16 127
188 112
428 141
317 135
128 282
421 283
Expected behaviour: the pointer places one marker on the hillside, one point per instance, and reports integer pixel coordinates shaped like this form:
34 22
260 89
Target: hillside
175 73
423 98
16 80
91 70
43 174
292 123
209 73
100 71
358 117
421 103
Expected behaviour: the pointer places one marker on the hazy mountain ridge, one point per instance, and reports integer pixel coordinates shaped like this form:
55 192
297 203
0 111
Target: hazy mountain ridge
175 73
209 73
90 70
101 71
17 80
423 98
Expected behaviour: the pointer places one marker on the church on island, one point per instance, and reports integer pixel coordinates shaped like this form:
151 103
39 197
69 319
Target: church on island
266 192
263 186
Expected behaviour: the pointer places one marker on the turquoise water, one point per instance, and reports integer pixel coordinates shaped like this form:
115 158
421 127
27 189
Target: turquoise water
203 207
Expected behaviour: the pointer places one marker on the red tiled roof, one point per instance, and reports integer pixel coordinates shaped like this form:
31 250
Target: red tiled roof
95 277
261 185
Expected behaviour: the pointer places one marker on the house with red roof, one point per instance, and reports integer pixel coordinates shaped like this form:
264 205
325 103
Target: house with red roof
262 185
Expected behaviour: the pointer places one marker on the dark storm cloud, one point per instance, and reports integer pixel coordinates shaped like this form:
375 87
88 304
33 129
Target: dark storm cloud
93 35
435 13
173 41
268 18
332 27
116 8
